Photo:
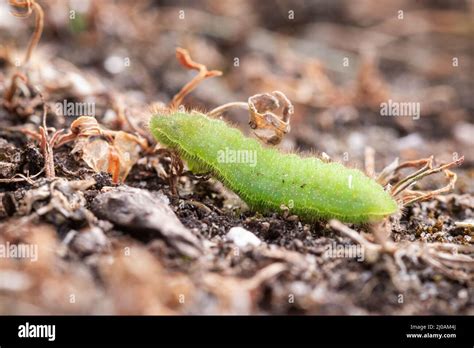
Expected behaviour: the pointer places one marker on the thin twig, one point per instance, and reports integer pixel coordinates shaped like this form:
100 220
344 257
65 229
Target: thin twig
20 178
222 108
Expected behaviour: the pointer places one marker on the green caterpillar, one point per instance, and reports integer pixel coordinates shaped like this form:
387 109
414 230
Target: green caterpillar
266 178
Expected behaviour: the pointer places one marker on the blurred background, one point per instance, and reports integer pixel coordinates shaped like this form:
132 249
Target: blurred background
335 60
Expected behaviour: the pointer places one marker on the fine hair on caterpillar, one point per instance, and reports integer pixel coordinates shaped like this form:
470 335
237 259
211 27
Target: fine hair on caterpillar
318 190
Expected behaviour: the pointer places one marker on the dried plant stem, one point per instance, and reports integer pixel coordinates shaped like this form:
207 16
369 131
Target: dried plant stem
356 237
369 161
46 144
453 261
31 6
10 92
417 196
176 168
20 178
185 59
222 108
412 178
402 188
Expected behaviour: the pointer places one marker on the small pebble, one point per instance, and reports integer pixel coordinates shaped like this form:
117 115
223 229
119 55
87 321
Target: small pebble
265 226
462 294
242 238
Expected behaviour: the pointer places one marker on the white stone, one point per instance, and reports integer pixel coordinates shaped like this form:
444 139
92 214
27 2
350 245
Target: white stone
242 238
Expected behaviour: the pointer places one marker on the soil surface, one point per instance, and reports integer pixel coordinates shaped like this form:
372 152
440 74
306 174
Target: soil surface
146 238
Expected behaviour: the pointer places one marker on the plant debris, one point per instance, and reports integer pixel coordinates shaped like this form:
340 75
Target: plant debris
114 223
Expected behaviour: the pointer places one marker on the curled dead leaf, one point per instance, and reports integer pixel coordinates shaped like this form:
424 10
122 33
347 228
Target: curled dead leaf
104 150
267 125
